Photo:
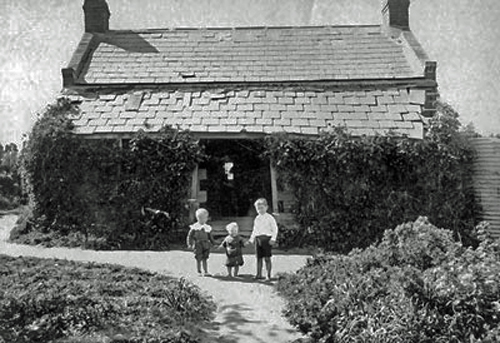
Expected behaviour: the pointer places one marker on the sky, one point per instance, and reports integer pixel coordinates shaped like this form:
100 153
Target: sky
37 40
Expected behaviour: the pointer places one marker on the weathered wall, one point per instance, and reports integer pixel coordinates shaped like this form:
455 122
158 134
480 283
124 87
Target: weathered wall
487 180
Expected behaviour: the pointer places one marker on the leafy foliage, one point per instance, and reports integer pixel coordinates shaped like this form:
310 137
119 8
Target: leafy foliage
348 189
97 188
417 285
10 182
45 300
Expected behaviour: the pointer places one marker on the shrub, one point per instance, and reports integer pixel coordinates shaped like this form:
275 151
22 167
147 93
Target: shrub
348 189
95 189
46 300
10 188
416 285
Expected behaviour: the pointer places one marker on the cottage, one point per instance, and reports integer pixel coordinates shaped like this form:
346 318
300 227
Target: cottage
231 86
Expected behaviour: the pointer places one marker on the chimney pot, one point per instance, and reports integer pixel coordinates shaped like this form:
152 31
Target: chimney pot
97 15
395 14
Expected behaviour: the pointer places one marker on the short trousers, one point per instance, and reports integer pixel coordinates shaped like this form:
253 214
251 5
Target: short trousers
201 251
262 246
201 255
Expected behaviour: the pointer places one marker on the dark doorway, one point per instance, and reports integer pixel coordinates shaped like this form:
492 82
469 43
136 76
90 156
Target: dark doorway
236 175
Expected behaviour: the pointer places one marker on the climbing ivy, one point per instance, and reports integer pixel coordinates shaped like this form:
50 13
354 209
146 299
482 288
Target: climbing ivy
99 188
348 189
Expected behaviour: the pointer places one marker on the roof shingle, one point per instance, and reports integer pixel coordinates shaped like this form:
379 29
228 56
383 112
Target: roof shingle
262 110
266 54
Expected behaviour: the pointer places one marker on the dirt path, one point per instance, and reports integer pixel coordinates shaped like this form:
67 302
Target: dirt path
247 311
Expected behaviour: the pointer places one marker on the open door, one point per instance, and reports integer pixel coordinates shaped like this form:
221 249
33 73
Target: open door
232 178
236 175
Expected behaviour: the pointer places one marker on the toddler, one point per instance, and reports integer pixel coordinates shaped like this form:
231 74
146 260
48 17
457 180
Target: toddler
233 244
200 240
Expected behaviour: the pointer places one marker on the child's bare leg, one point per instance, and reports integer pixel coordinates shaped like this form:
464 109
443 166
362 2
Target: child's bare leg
198 266
236 270
268 266
205 266
229 271
259 268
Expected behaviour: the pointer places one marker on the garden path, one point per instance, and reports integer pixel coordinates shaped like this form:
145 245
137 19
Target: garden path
248 311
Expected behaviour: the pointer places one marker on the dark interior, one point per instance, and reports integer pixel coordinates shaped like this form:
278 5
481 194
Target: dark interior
237 175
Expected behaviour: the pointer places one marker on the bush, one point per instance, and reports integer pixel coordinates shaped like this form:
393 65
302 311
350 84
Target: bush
348 189
46 300
416 285
95 189
10 187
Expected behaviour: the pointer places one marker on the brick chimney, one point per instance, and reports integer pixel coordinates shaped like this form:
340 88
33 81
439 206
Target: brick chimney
395 14
97 15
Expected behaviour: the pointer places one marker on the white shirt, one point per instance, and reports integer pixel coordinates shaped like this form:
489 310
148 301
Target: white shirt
264 224
198 226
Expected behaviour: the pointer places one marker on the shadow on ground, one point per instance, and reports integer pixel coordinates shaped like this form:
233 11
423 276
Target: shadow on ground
229 328
244 278
249 250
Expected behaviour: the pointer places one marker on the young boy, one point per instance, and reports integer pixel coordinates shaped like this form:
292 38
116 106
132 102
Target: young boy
200 240
263 235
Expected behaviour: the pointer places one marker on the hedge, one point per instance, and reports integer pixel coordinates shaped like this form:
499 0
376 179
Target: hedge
347 189
98 188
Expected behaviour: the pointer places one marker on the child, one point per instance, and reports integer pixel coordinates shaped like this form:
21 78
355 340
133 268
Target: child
264 235
200 240
233 244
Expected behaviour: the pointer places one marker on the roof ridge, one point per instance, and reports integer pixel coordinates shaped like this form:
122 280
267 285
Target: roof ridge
233 28
244 54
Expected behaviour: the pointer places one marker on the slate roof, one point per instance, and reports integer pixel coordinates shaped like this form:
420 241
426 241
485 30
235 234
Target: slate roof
255 54
247 81
250 110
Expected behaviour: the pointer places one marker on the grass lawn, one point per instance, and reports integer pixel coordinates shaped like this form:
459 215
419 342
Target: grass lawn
47 300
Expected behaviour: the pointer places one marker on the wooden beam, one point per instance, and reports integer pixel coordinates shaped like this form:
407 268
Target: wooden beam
274 187
119 166
194 183
193 201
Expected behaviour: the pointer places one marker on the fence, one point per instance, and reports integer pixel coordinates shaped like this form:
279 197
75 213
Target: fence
487 180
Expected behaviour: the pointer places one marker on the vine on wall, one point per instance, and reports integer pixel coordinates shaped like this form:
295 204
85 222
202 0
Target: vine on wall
98 187
348 189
